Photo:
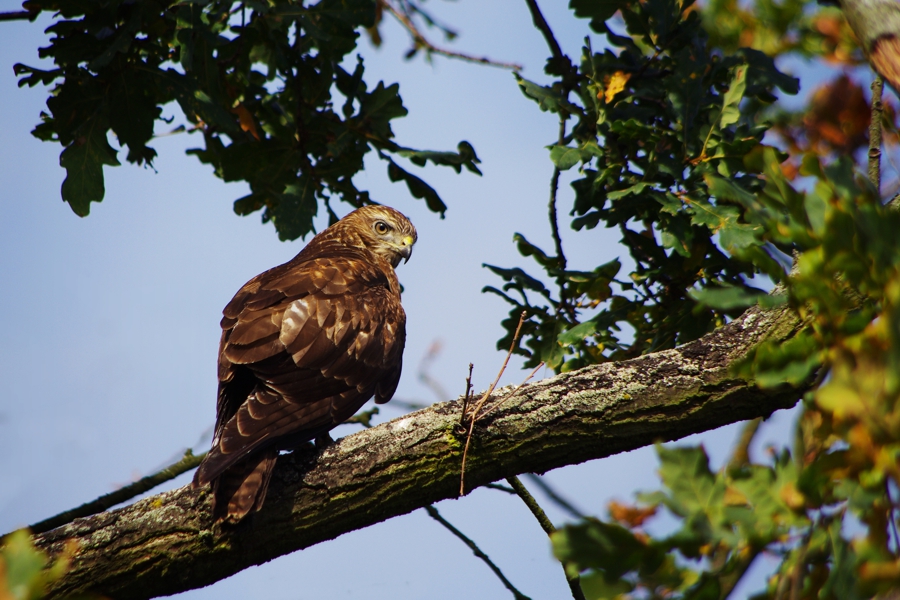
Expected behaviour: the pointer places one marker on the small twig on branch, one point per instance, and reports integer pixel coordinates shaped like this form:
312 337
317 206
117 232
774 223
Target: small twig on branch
434 514
466 396
188 462
512 394
875 134
487 394
574 581
555 496
420 41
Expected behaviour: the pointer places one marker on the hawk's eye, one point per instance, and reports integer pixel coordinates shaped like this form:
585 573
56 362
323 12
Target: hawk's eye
382 228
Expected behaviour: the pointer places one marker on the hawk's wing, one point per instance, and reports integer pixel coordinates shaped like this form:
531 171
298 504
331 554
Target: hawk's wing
303 347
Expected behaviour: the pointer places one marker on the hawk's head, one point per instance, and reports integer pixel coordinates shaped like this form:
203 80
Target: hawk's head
384 231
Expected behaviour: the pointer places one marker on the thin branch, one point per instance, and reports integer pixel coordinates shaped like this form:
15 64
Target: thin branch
466 397
434 514
21 15
425 375
409 405
169 543
532 504
574 581
875 134
740 456
541 23
554 496
420 41
892 515
501 487
510 395
487 394
188 462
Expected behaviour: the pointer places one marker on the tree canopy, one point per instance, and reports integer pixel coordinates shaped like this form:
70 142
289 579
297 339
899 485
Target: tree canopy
676 121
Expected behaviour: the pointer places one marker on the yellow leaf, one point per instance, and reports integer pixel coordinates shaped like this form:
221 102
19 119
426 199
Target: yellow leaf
246 119
615 85
734 497
792 497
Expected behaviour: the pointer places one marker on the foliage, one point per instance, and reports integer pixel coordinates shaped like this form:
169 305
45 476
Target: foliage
25 571
258 80
668 137
656 116
679 144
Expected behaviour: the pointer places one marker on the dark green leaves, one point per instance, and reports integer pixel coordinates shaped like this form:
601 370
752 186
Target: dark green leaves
417 187
260 88
83 161
666 132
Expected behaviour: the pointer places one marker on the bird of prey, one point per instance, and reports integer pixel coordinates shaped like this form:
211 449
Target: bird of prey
304 346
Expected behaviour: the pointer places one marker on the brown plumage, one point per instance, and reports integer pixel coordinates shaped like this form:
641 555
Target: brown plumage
304 346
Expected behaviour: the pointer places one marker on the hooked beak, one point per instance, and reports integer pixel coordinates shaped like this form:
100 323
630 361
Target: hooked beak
406 249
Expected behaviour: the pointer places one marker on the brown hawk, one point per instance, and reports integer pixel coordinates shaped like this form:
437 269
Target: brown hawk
304 346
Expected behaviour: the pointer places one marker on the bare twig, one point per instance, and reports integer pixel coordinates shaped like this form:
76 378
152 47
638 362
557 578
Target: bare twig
188 462
554 187
425 371
574 581
410 405
553 495
466 396
541 23
740 457
487 394
512 394
892 515
434 514
875 133
21 15
501 487
490 390
420 41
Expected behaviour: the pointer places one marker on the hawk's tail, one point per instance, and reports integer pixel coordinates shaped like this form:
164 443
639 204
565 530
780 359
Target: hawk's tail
241 488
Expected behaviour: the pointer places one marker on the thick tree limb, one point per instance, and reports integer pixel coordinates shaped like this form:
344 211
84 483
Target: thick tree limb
169 543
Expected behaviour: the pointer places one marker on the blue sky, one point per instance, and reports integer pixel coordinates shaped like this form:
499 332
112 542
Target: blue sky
110 323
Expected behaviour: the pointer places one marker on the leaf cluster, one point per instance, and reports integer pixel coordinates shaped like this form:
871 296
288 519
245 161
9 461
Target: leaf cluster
266 83
828 509
25 572
651 119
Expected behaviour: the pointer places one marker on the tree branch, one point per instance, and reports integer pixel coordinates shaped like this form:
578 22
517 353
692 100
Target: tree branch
541 23
434 514
574 581
420 41
123 494
875 134
170 543
555 497
20 15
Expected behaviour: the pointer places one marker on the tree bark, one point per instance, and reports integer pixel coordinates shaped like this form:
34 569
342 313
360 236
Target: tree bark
169 543
877 25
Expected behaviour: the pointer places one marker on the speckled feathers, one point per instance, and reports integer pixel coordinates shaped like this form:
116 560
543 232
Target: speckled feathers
304 346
